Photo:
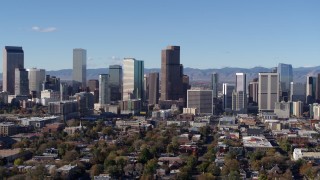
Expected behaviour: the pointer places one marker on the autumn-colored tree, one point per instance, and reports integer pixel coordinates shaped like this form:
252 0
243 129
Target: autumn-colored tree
96 170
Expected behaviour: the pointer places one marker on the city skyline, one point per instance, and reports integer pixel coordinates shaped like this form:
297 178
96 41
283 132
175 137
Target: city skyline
266 32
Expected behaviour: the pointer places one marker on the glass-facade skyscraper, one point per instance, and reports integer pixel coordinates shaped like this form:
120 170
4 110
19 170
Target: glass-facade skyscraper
79 75
285 77
115 82
214 84
13 57
133 79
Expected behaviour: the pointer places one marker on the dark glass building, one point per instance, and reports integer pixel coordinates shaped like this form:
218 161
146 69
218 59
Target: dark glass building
13 57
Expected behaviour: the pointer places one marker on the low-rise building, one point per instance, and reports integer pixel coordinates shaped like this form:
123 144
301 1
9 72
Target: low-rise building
8 129
254 143
301 153
38 122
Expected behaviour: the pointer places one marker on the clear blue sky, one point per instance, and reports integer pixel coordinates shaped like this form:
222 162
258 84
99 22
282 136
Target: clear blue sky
212 33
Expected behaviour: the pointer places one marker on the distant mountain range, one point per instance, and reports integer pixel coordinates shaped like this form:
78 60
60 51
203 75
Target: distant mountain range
226 74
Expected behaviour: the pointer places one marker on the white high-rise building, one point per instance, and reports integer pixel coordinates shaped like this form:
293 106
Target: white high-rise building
133 79
268 93
36 78
239 96
79 75
104 89
297 109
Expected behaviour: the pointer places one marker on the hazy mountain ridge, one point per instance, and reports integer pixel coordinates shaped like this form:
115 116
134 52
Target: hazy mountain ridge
226 74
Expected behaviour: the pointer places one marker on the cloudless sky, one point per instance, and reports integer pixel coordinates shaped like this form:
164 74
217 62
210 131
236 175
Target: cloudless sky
211 33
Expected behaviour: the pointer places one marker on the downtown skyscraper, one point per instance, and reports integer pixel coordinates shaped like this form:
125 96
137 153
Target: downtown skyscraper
239 96
214 84
268 93
133 79
13 57
115 82
285 77
79 73
171 74
104 89
153 88
36 78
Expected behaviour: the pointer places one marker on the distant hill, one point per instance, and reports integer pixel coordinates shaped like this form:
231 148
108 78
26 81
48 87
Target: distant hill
225 74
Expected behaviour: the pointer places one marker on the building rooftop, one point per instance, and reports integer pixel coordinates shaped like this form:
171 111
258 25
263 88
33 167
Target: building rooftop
9 152
38 118
7 124
252 141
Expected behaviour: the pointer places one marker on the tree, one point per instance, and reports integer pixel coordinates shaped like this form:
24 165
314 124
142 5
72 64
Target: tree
285 145
203 167
287 174
71 156
3 173
96 170
215 170
18 162
234 175
308 171
205 131
206 176
229 166
150 167
128 169
144 155
39 173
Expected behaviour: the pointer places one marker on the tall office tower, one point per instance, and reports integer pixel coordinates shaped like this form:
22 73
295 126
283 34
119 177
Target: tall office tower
51 82
227 90
318 88
285 77
104 89
13 57
214 84
64 92
311 89
268 93
36 77
185 86
297 92
202 100
239 97
133 77
115 72
79 75
93 84
153 88
21 83
253 91
145 87
171 74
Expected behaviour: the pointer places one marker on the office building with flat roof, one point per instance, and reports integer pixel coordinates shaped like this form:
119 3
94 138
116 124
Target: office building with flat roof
79 72
13 57
133 79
